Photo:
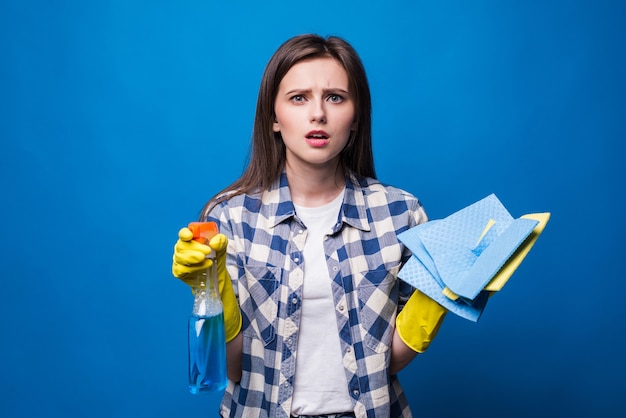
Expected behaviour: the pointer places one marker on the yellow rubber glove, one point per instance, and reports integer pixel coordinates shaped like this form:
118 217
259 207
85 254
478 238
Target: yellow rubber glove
418 323
189 257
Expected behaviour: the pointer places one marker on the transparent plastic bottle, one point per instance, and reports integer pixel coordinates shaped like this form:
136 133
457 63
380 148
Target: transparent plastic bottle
206 339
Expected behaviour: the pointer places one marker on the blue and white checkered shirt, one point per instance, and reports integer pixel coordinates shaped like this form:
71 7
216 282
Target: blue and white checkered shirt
363 256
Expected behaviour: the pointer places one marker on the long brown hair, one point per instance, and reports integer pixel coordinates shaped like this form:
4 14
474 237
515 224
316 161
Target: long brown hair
267 156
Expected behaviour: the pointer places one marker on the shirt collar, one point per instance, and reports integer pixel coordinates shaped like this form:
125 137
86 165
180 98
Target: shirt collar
278 207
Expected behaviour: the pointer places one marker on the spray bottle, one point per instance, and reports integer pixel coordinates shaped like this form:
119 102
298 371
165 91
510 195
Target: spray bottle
207 343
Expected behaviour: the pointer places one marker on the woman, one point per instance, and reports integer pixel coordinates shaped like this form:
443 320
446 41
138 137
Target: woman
317 322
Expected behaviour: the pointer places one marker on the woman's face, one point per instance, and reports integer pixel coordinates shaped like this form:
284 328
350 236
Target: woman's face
314 113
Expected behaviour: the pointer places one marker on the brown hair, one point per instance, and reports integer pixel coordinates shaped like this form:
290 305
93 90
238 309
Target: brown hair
267 156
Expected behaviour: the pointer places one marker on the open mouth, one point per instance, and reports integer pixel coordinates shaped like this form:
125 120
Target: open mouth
317 138
317 135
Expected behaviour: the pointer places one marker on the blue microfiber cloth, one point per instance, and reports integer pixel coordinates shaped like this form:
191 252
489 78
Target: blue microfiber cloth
457 261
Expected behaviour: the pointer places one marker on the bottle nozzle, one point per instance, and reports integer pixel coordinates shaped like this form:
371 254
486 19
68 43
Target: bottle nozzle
203 231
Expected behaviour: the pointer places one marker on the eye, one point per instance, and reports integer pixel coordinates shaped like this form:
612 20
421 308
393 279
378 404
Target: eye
335 98
298 98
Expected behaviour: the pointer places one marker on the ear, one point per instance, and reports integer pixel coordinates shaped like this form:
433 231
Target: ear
275 125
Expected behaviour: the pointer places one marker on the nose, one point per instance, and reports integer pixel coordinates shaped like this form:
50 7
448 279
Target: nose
318 112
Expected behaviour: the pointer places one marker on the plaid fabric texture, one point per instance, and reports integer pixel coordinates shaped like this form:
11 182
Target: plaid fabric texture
363 256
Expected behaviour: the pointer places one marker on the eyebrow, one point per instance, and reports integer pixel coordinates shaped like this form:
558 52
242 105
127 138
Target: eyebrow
330 90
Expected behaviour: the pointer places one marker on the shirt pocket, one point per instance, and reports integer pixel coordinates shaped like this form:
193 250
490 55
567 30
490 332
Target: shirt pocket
260 307
378 303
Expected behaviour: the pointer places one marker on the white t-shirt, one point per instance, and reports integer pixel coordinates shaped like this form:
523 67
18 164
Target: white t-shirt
320 384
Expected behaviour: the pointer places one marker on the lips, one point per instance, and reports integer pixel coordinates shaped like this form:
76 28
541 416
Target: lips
317 138
317 135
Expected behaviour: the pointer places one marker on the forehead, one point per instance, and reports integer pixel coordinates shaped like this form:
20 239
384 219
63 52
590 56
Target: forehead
322 71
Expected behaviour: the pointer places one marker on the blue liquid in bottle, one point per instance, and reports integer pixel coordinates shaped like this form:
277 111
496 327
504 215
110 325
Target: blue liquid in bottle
207 354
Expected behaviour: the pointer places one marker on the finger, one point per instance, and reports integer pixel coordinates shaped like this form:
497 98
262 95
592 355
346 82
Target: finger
185 234
192 246
189 257
179 270
219 242
182 270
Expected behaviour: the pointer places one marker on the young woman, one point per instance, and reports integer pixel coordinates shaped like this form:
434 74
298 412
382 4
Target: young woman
317 322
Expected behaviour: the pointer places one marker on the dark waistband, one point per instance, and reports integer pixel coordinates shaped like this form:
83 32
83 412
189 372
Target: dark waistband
341 415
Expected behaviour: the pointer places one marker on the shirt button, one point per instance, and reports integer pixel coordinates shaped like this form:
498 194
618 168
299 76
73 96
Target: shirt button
296 259
300 231
335 268
355 392
341 308
294 300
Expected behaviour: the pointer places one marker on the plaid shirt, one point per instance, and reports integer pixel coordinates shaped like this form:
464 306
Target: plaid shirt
363 255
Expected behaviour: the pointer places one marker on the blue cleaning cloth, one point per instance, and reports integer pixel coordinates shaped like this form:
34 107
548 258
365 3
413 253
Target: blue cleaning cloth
455 259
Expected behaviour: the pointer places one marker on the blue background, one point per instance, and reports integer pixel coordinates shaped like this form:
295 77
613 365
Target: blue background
119 119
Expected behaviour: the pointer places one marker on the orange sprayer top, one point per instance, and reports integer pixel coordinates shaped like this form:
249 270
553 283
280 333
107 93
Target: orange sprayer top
203 231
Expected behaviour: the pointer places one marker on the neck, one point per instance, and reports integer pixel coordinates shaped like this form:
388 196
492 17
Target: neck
312 188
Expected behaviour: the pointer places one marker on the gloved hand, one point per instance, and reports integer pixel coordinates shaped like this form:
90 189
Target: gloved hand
418 323
189 257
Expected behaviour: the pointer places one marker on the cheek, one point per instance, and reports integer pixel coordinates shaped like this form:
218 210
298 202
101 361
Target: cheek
278 116
283 118
349 121
350 118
